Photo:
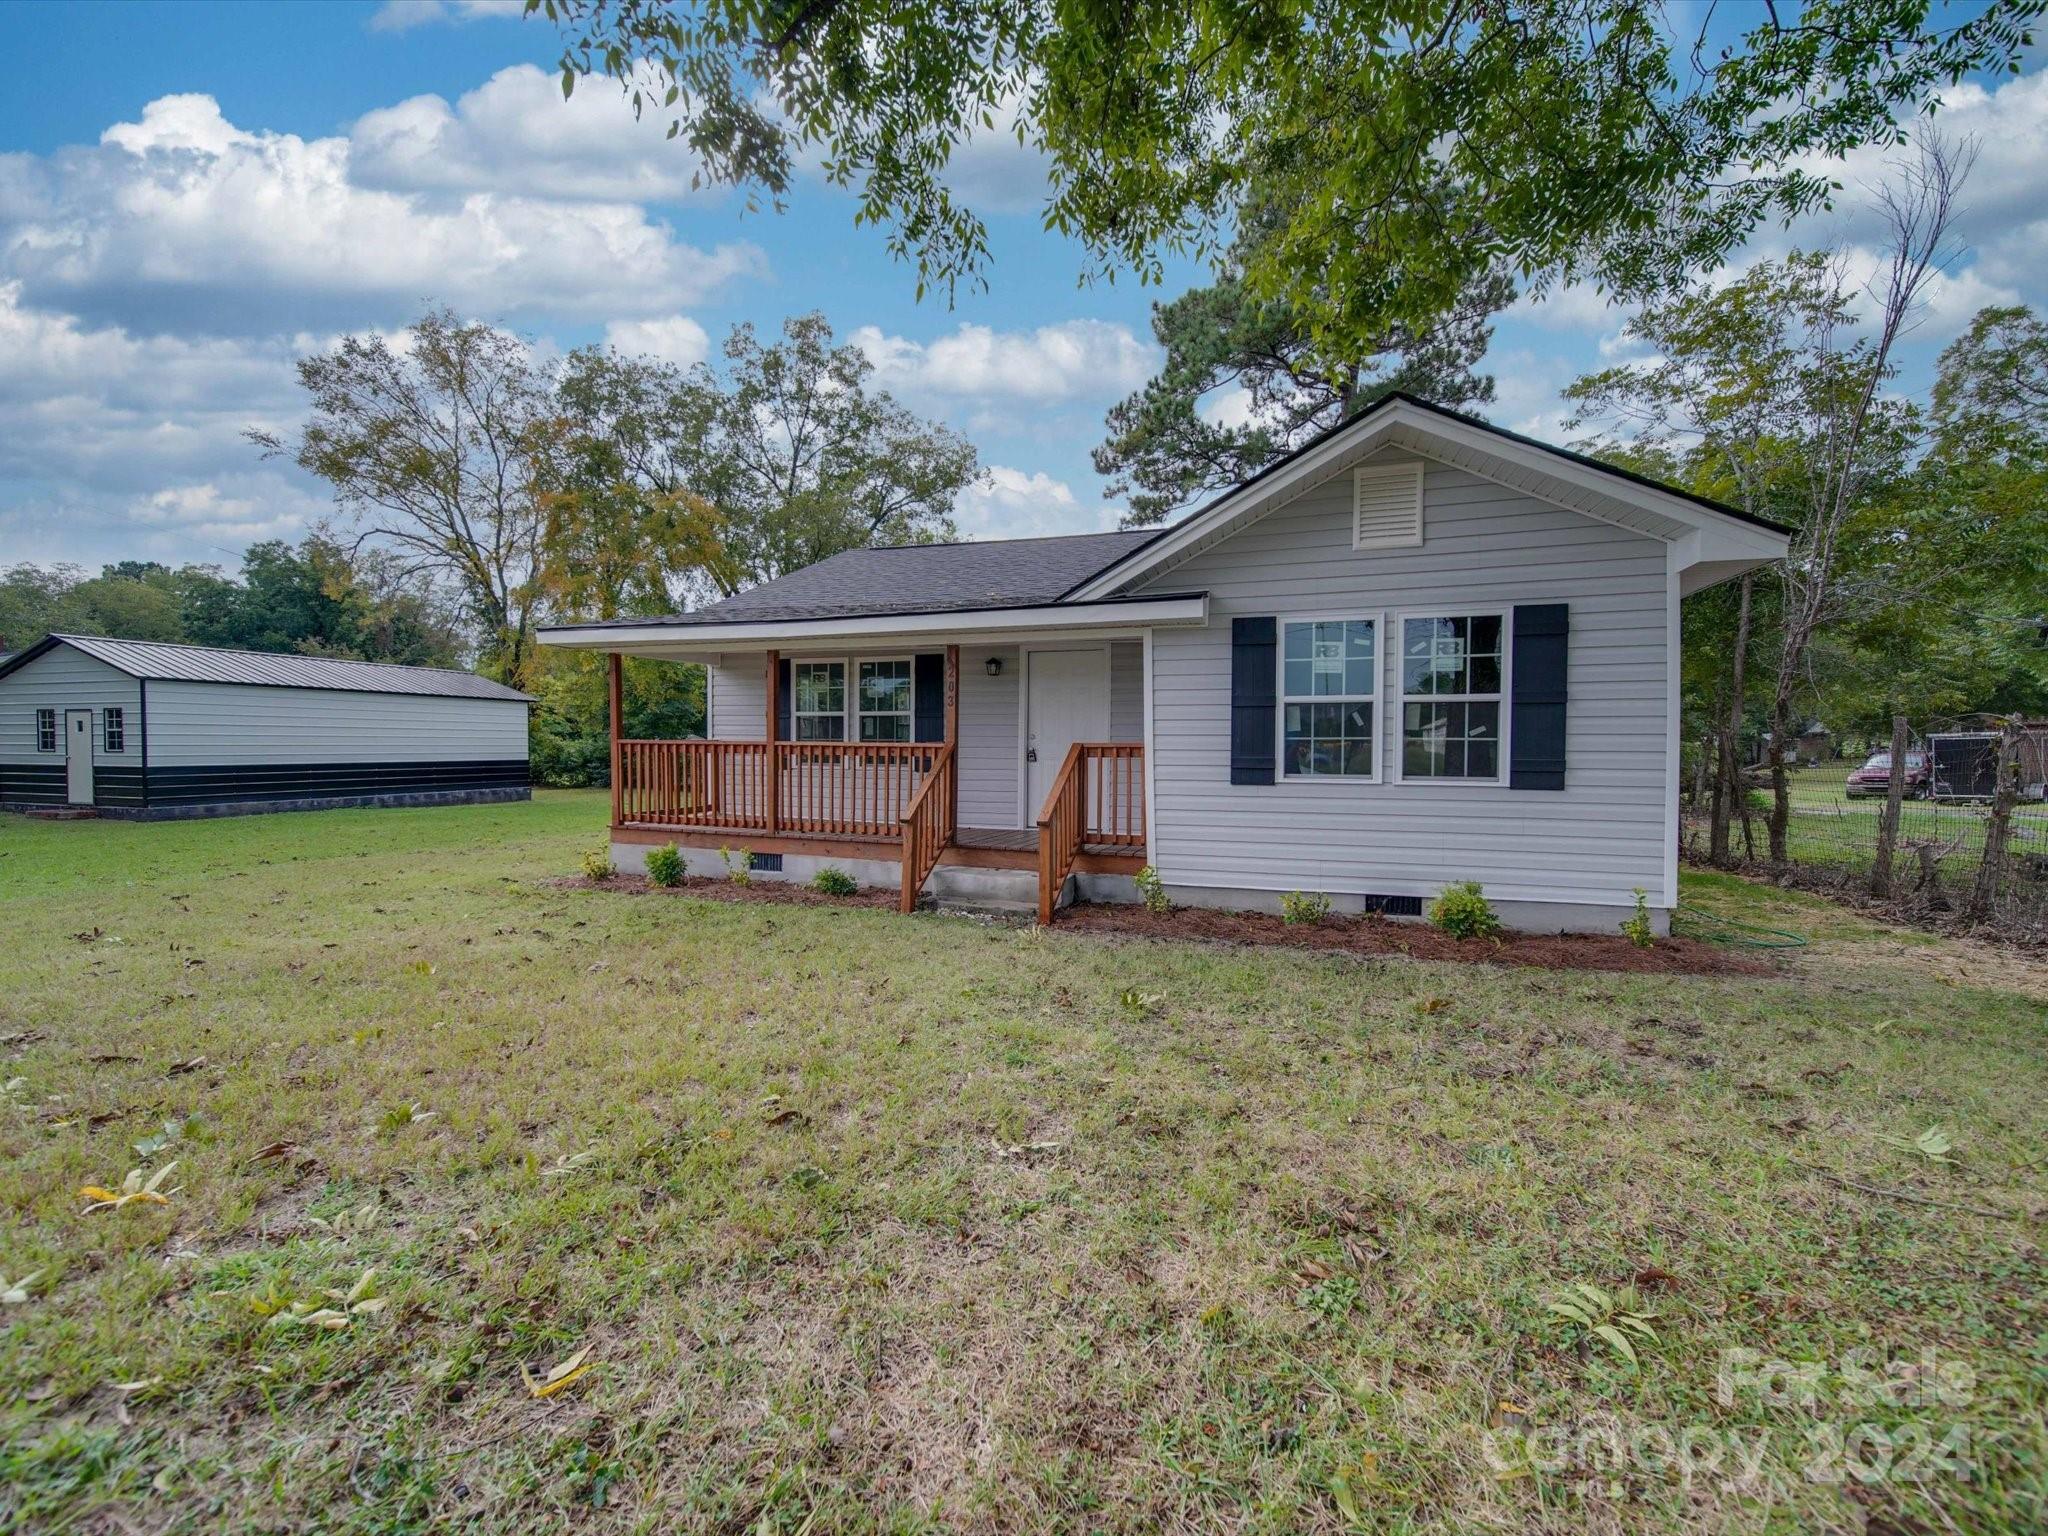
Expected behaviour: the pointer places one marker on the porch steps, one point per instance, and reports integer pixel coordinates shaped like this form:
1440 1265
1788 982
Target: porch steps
996 892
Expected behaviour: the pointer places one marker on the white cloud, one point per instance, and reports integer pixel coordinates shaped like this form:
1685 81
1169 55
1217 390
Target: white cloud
515 134
117 442
1013 504
1227 408
184 220
404 15
1077 358
675 339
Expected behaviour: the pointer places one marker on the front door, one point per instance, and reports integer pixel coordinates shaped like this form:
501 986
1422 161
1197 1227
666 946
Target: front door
78 755
1068 702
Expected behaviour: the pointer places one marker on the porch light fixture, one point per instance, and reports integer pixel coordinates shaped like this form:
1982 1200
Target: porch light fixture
995 666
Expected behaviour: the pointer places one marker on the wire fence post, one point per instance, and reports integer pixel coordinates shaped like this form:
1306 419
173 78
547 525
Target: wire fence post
1998 833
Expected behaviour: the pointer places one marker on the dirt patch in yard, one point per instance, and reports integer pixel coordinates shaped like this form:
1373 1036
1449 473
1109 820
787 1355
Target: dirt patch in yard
775 893
1416 941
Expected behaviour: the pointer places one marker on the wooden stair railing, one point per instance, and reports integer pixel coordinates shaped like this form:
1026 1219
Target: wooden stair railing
1098 796
928 826
1061 821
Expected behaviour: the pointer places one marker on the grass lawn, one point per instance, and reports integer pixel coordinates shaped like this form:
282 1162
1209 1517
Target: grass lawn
875 1223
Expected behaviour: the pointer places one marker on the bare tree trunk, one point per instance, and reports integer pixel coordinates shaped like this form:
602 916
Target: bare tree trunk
1781 786
1894 799
1991 872
1730 766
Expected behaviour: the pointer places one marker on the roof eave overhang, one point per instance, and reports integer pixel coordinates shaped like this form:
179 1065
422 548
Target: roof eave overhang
1560 478
978 624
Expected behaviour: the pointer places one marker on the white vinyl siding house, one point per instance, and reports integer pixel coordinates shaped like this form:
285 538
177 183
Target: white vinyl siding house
1485 548
1417 651
206 732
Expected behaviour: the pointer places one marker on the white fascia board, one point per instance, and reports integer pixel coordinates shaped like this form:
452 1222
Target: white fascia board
1760 543
973 625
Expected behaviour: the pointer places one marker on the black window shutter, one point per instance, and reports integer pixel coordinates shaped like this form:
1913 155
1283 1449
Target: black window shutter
1542 638
784 704
1254 695
929 692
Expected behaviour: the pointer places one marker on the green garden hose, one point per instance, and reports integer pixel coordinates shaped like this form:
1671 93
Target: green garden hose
1692 923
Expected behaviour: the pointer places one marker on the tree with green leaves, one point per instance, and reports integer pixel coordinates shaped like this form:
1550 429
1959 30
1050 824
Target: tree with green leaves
1773 387
625 531
801 457
1585 139
1245 381
438 451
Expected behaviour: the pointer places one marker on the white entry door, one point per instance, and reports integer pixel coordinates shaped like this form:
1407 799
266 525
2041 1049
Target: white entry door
78 755
1068 702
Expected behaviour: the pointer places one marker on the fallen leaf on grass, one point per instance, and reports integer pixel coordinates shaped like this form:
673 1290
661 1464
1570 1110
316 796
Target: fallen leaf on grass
108 1058
137 1386
275 1152
1651 1278
180 1068
132 1191
23 1037
1024 1149
559 1377
1432 1004
562 1167
14 1293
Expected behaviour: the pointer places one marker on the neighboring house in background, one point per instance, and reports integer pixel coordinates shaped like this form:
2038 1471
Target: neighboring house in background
147 729
1416 651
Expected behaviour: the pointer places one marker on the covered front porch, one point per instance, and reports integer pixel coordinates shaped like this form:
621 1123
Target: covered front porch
890 808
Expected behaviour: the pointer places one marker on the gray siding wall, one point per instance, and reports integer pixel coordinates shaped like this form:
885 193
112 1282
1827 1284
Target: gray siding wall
64 679
1484 546
737 686
203 724
991 758
1127 690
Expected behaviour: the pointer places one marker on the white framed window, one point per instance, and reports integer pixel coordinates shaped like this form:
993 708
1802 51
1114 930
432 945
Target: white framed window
817 700
46 730
1453 691
1329 698
115 724
883 699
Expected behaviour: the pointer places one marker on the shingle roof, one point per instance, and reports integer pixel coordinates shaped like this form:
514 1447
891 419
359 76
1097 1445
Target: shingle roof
922 578
162 660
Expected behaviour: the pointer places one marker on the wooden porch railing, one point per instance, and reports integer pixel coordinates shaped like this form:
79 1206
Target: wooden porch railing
928 825
1097 797
847 789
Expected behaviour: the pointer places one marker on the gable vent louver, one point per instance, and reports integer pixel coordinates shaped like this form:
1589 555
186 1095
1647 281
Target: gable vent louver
1386 506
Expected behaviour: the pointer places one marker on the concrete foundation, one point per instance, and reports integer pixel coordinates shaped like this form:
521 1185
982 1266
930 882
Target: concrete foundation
266 807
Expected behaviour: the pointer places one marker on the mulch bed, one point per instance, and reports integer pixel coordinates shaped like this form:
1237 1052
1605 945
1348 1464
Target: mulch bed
1417 941
776 893
1203 925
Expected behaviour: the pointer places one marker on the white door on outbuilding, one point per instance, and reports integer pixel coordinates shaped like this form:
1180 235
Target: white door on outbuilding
78 755
1068 701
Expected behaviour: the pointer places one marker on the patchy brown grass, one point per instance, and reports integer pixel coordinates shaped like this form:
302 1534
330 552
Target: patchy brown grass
876 1223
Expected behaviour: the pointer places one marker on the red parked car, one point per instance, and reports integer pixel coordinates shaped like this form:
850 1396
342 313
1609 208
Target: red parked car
1873 781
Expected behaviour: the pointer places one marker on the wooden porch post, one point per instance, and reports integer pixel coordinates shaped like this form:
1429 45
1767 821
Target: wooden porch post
615 690
953 735
774 746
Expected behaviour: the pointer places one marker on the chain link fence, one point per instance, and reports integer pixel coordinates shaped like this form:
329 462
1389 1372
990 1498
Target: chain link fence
1837 804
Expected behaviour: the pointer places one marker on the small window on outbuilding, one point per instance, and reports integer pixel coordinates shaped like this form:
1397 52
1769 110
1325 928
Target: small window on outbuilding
116 722
46 730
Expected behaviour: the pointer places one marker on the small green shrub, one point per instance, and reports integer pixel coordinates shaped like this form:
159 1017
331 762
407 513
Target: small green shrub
1637 927
1153 890
1304 907
739 865
665 865
831 881
1463 912
597 863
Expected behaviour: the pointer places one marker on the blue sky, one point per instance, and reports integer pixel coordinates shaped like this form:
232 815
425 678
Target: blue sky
193 195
